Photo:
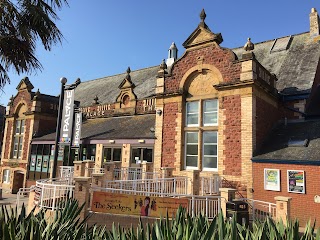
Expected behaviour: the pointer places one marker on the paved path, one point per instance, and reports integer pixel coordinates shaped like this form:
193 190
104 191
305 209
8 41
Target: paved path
10 199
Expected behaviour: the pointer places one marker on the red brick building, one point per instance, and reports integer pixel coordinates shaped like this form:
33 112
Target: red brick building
209 113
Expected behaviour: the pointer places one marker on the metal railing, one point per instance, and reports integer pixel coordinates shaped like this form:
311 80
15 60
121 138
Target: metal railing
133 173
24 193
164 186
209 206
210 185
66 172
53 193
95 171
260 210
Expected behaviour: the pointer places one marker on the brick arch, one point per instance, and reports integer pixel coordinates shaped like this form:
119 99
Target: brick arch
21 107
212 69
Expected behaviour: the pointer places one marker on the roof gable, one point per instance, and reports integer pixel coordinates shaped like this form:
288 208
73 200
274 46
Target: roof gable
25 84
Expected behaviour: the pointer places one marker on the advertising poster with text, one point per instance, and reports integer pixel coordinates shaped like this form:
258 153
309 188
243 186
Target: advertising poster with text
136 205
296 182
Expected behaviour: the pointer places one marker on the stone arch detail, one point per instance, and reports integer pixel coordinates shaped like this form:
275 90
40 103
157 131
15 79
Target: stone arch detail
196 71
20 109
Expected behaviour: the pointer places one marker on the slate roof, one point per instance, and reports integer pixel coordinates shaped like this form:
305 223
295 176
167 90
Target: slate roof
276 147
128 127
107 88
295 67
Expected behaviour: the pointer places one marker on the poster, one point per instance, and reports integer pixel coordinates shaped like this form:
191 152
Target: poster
272 179
45 163
296 182
136 205
33 162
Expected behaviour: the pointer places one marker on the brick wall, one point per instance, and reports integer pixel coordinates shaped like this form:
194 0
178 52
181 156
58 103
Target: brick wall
232 135
222 59
8 137
26 139
303 206
170 112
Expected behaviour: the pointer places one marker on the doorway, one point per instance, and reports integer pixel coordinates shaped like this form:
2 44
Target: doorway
18 180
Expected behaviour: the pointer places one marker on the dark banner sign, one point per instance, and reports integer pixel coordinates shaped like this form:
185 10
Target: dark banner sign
77 130
67 117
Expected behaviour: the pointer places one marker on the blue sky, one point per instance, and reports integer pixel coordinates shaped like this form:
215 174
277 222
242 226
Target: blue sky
104 37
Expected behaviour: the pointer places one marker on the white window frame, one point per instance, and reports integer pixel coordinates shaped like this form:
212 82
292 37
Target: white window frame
217 111
203 128
185 151
6 176
192 125
213 144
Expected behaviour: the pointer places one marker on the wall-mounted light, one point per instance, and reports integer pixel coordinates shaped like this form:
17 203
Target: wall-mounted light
111 141
141 141
159 112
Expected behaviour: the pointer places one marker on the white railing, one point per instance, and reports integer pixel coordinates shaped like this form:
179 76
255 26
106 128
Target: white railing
95 171
259 210
164 186
210 206
24 193
53 193
210 185
133 173
67 172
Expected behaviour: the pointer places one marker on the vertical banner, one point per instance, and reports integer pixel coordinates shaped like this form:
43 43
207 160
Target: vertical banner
67 117
77 130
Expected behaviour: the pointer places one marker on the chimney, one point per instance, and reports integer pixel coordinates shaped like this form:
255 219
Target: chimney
172 54
314 23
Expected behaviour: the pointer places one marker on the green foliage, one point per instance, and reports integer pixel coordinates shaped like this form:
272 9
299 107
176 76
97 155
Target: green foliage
66 224
22 24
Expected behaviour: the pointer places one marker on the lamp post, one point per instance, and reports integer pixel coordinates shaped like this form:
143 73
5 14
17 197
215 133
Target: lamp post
63 81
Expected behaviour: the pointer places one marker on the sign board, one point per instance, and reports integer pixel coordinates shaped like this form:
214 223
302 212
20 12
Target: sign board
272 179
126 204
67 117
77 130
296 183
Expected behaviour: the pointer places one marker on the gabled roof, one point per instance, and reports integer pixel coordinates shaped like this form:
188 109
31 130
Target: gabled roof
107 89
25 84
294 67
277 145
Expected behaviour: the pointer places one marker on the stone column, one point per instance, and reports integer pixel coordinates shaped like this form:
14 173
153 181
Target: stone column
78 169
88 164
167 172
226 194
194 182
283 208
82 194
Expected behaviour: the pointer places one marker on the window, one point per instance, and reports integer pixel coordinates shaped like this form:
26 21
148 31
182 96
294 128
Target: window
112 154
142 154
210 144
192 113
210 112
6 176
201 143
18 139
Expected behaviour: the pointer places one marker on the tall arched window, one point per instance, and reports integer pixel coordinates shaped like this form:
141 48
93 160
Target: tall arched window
18 133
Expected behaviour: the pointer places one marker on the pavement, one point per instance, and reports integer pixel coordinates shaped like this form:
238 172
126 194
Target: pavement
10 199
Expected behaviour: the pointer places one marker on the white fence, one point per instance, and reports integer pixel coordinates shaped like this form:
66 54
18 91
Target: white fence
210 185
163 186
133 173
66 172
24 193
210 206
259 210
53 193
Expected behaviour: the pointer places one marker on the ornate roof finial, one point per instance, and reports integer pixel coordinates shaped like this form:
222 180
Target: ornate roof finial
10 103
96 100
37 95
128 73
203 15
163 65
249 46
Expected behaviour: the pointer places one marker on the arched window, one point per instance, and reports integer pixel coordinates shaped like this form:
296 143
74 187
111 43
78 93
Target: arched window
18 133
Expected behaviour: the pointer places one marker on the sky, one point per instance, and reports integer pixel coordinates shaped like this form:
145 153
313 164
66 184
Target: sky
104 37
